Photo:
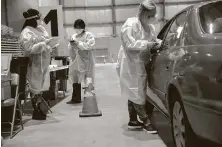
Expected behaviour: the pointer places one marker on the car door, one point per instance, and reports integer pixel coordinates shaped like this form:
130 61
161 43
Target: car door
163 63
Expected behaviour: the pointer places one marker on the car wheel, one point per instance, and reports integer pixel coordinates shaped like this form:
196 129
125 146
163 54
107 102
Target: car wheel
178 125
181 130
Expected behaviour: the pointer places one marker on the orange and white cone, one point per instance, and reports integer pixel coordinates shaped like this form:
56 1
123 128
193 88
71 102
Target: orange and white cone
90 107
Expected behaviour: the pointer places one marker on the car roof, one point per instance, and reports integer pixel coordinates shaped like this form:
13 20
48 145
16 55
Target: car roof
204 3
197 6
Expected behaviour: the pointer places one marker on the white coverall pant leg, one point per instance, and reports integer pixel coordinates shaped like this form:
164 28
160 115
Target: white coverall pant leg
133 86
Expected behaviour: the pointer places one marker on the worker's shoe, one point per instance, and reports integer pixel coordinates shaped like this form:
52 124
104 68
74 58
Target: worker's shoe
74 102
150 128
38 115
135 125
76 94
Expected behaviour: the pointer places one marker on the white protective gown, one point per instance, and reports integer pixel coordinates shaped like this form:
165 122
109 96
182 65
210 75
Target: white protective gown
82 66
133 76
32 41
119 60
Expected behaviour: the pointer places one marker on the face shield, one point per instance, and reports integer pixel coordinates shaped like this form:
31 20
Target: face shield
148 21
152 20
155 20
147 13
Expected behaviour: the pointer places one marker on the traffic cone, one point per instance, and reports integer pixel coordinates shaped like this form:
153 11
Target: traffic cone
90 108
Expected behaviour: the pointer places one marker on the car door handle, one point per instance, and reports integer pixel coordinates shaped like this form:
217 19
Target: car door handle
180 74
167 68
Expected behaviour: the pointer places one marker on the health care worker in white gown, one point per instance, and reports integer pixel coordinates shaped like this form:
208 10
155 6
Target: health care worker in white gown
35 42
82 64
137 35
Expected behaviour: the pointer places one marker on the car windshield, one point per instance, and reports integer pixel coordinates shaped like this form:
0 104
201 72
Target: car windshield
211 17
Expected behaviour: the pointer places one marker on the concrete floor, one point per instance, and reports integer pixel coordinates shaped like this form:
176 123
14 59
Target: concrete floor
64 127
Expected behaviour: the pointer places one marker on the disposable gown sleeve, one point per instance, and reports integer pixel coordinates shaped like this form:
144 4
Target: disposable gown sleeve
153 31
130 42
29 44
88 43
45 33
120 55
119 59
72 51
69 48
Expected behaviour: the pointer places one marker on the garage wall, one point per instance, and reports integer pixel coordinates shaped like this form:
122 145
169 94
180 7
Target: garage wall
103 17
43 3
15 9
97 14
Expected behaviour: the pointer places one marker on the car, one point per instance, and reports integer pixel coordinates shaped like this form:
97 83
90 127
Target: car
185 74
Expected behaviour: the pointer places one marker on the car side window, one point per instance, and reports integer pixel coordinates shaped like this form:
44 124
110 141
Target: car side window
182 39
176 30
164 30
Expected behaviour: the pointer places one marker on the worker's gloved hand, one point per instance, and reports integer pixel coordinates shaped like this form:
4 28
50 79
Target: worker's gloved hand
159 43
156 46
155 49
42 38
151 44
47 41
74 43
90 87
53 52
43 46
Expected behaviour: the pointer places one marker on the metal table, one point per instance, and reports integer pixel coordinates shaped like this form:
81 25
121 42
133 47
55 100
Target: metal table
57 73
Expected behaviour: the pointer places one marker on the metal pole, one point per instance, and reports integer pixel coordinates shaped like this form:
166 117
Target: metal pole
6 13
113 18
61 2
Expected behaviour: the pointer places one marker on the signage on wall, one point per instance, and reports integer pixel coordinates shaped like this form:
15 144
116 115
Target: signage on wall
52 21
53 18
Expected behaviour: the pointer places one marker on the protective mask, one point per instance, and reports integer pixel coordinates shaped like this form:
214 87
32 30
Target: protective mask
79 31
154 21
40 22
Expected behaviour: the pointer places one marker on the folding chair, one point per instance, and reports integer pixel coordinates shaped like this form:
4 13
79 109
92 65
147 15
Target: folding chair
17 107
47 106
25 102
